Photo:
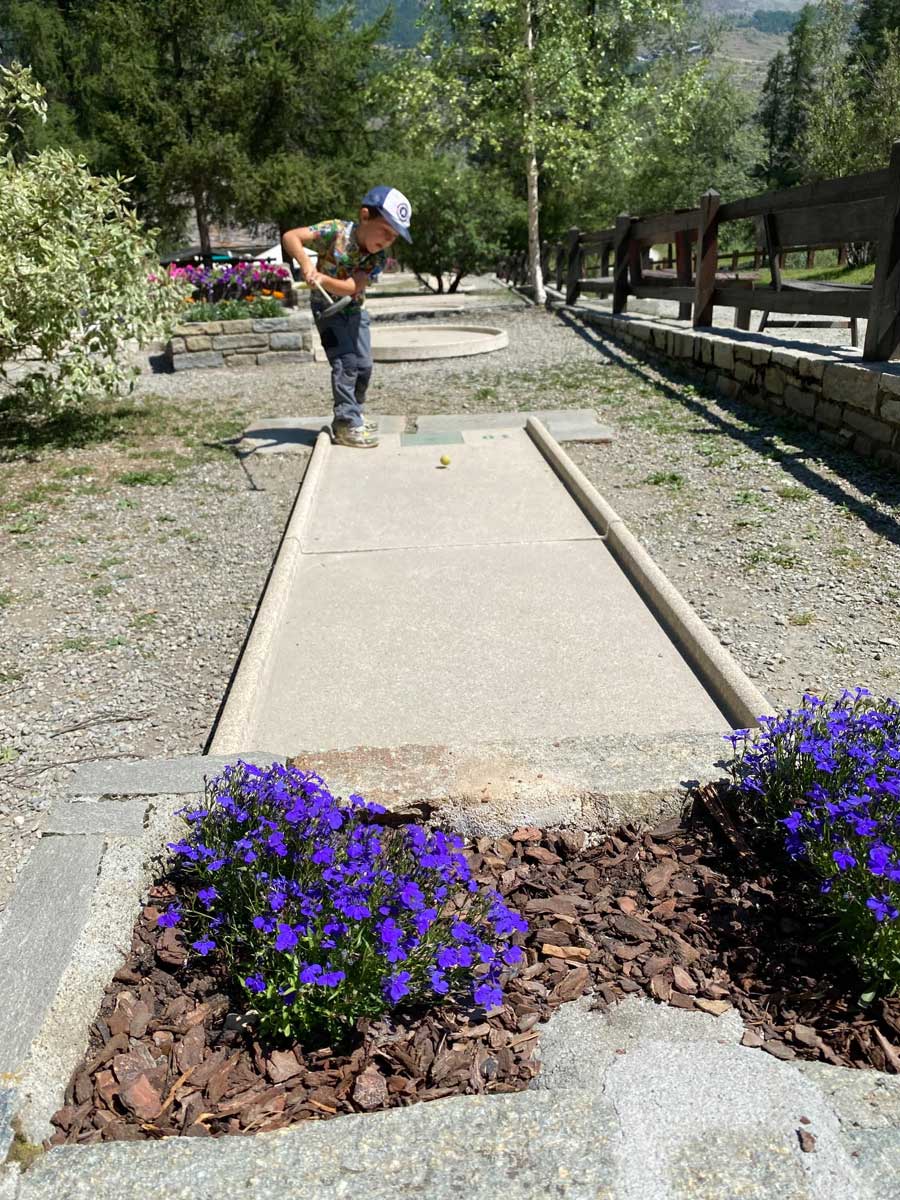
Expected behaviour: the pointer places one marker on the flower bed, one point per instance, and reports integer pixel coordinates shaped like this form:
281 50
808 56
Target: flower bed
689 916
236 281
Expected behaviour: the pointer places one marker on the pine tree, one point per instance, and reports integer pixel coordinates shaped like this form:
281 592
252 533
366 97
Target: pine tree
875 19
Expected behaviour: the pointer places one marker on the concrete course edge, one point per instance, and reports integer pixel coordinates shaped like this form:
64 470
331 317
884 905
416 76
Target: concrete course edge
741 700
235 719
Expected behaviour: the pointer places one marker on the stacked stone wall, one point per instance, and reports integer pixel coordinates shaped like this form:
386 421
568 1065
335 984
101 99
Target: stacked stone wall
850 404
206 344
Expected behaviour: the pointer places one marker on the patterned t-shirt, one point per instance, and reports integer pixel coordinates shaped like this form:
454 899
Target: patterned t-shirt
340 255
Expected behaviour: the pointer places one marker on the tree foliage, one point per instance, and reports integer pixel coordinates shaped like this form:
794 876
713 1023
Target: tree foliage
465 217
212 107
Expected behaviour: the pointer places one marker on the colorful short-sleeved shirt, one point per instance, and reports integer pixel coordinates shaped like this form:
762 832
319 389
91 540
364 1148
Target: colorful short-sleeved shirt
340 255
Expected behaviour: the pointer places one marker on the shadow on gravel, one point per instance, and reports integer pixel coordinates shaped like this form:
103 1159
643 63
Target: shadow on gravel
874 482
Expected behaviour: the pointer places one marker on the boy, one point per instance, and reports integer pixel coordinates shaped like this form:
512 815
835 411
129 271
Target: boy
351 254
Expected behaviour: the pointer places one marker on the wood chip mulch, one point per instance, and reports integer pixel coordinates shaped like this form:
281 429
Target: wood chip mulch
682 913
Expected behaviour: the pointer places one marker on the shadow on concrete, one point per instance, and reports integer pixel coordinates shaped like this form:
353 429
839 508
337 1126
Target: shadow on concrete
271 440
876 483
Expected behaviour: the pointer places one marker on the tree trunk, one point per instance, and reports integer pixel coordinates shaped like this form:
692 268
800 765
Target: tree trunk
534 232
202 221
455 284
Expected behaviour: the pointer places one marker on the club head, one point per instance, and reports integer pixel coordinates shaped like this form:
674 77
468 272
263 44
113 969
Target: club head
335 308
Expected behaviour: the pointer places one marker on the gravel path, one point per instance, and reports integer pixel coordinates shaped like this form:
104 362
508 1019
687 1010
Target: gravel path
134 553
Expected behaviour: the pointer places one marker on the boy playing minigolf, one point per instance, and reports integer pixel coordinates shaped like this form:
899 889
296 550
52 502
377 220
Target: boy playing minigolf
351 255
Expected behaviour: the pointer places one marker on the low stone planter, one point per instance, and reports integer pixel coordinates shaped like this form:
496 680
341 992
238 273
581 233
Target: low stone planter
247 343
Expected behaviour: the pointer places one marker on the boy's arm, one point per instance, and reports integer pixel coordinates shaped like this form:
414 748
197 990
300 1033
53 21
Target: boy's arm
293 242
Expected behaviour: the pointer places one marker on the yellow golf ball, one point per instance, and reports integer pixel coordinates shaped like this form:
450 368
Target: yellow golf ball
445 460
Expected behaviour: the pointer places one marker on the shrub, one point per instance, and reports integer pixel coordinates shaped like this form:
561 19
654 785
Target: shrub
73 267
826 779
325 916
232 310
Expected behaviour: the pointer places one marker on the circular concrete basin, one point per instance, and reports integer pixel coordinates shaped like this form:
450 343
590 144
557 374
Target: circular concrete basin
402 343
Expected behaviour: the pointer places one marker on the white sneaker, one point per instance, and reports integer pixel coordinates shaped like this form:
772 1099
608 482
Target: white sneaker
357 436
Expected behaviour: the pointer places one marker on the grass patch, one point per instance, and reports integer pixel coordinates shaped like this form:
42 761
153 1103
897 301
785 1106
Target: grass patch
8 754
670 479
790 492
804 618
28 523
80 644
149 478
144 620
74 472
6 599
103 589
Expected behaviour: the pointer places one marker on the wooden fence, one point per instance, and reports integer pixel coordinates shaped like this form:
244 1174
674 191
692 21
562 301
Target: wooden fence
861 208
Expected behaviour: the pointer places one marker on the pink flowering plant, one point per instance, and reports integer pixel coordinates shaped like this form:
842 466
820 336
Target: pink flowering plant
234 281
324 915
827 776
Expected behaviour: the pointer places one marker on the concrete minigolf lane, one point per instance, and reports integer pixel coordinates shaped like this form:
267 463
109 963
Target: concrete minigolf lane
461 603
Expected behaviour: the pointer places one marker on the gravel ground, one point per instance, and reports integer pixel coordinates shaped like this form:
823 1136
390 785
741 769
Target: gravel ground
137 545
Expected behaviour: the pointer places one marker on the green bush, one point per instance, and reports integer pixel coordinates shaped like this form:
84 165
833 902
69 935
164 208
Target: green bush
74 268
232 310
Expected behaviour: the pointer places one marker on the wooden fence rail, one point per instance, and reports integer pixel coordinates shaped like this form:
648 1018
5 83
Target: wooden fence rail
832 213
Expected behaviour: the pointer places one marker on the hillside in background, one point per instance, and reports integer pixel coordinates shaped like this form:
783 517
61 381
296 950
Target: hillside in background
751 32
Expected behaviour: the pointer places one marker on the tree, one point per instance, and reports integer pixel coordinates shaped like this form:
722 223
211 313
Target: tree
73 266
697 133
770 117
462 216
197 100
875 19
832 142
542 82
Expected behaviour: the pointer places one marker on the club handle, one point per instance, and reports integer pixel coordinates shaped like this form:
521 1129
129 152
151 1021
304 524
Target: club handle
327 295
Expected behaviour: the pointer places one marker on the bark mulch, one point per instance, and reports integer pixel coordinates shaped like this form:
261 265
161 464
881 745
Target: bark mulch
683 913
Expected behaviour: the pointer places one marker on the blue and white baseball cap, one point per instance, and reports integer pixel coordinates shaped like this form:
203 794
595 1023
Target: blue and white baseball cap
393 206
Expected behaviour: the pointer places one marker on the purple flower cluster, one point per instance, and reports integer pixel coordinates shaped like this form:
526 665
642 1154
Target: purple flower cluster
828 775
325 914
233 281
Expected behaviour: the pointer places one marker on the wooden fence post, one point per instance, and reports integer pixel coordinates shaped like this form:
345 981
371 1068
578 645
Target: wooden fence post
683 270
560 248
545 259
707 257
573 265
883 330
622 253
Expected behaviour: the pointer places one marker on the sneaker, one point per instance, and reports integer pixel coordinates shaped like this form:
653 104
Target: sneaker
344 434
370 425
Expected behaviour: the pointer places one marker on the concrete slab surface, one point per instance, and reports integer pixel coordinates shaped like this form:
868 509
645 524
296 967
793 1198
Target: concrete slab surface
120 818
491 788
400 342
51 903
285 435
157 776
471 643
399 496
565 424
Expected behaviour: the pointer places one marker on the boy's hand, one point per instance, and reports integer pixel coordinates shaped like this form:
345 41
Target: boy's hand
312 277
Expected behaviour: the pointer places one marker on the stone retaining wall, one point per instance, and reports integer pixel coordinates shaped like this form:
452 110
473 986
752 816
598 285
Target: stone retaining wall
849 404
246 343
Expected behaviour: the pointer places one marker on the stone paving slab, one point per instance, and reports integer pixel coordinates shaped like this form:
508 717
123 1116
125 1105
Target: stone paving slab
157 776
285 435
400 496
566 425
641 1103
491 788
50 907
470 644
120 818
